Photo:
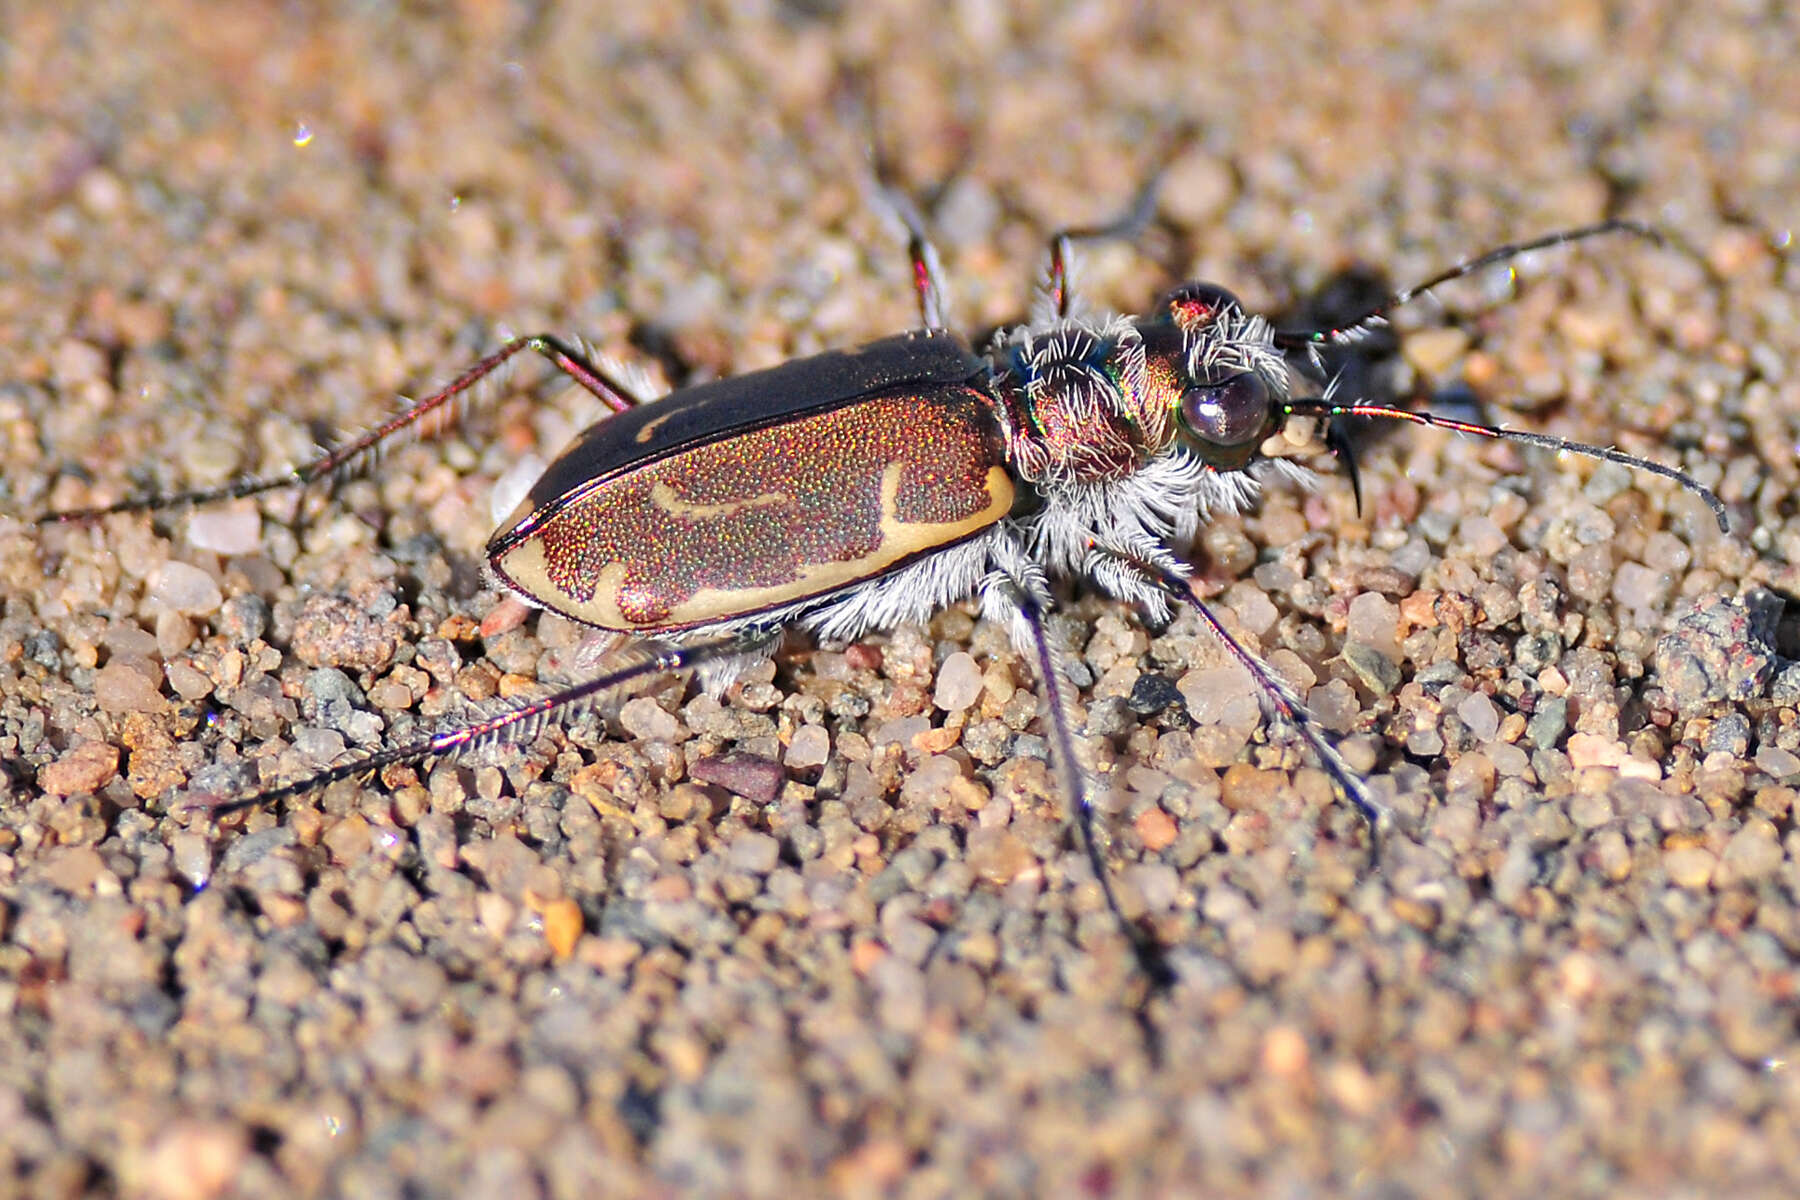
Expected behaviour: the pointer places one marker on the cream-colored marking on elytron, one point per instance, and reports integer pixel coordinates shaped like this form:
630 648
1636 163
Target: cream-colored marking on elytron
649 430
664 497
524 565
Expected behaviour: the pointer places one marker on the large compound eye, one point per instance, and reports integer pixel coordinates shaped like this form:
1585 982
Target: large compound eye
1233 412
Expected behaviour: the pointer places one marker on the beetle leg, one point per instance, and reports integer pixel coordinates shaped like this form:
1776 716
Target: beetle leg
928 279
927 270
610 392
1057 299
1155 580
1020 599
524 717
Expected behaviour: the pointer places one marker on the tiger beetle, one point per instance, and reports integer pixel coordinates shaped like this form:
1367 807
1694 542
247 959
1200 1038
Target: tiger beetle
854 490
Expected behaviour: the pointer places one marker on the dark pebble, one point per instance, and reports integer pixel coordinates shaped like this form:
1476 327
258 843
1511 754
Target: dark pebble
1151 694
756 779
1722 650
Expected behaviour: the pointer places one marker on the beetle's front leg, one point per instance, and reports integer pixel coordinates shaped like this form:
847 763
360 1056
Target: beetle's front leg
1130 574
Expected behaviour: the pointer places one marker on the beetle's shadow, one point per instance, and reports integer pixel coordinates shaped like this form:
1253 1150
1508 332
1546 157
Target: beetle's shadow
1366 370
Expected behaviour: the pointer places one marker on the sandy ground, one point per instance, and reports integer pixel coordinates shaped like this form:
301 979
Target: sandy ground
570 965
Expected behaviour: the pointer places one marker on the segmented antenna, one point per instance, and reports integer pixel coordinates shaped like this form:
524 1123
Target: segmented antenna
1328 409
1348 333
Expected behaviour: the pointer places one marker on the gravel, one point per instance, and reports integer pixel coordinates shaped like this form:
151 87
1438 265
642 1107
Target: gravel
827 932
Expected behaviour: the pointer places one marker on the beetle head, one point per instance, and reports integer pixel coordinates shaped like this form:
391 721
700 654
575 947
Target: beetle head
1218 370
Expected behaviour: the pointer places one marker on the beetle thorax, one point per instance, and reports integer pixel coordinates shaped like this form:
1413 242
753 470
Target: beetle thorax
1079 403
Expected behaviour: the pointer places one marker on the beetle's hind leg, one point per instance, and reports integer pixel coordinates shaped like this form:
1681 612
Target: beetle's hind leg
519 722
358 450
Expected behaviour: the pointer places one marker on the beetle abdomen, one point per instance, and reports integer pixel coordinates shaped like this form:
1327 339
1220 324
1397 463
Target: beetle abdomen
765 518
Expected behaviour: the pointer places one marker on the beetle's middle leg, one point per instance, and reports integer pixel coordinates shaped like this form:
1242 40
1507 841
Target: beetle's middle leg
1018 596
610 391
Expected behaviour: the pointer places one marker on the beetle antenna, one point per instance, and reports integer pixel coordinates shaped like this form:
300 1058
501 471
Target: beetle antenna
527 715
360 449
1349 332
1328 409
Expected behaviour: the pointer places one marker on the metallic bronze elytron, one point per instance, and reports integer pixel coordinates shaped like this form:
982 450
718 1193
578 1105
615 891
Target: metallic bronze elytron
766 516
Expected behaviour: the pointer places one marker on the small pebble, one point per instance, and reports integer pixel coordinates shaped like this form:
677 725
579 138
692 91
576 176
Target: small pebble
1720 650
74 869
335 632
563 924
128 686
1156 829
647 720
349 840
190 1160
755 852
1753 852
751 776
185 588
229 530
1374 666
997 855
1223 695
1152 694
211 457
174 633
74 362
1592 750
1435 351
1375 622
958 683
319 747
1689 866
1480 717
1773 760
82 768
244 618
192 855
810 747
